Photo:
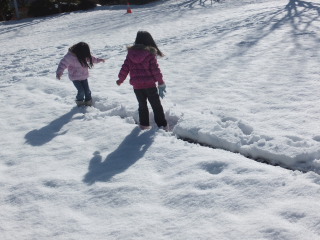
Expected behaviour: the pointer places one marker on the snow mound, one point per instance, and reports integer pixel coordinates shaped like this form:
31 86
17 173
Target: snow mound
229 133
234 135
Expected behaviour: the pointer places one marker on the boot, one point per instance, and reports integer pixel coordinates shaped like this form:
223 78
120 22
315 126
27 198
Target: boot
88 103
79 103
144 127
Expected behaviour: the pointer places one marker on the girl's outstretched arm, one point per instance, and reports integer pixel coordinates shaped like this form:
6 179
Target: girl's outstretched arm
97 60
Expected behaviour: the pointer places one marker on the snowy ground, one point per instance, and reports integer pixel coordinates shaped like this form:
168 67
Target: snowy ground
242 76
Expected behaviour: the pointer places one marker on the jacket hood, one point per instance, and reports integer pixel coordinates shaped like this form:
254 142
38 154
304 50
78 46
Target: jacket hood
138 53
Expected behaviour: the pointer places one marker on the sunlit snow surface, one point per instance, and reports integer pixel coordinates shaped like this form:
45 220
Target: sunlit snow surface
241 76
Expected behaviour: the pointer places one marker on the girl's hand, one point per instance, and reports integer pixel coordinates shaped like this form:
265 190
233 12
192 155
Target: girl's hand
118 82
162 90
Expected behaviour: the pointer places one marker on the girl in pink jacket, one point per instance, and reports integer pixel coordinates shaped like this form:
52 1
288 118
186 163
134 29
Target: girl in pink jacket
78 61
141 64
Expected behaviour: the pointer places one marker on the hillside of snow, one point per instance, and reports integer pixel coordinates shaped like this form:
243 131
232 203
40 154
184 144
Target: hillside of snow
242 159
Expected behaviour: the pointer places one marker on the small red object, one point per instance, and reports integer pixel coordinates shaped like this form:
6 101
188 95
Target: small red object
129 9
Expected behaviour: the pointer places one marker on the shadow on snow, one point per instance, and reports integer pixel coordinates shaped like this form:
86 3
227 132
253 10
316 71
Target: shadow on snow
128 153
39 137
192 3
297 14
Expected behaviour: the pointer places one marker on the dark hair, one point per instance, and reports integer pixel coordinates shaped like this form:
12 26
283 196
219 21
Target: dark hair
146 39
82 51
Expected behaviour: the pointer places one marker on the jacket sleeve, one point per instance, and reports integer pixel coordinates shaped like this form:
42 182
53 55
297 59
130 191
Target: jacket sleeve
64 63
155 70
96 60
124 71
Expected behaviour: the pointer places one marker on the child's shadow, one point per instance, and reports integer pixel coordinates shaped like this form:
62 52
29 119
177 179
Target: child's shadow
128 152
39 137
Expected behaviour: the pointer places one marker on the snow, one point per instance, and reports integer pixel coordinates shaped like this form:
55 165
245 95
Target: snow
242 159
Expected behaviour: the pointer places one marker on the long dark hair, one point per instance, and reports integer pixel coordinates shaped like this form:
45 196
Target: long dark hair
146 39
82 51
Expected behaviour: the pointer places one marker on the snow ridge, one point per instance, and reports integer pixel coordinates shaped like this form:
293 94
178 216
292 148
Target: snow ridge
232 134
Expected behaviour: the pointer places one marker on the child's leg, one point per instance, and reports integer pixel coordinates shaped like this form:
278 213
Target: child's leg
143 107
79 87
155 103
87 92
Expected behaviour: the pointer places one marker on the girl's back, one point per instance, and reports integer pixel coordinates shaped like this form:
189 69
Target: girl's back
141 63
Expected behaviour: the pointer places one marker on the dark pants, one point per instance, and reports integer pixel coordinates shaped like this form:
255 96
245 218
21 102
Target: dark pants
150 94
84 92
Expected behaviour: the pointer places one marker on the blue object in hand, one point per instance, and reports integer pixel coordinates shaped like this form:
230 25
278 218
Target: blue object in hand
162 90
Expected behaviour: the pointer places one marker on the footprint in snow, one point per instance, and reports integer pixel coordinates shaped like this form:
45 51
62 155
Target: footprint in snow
316 138
214 168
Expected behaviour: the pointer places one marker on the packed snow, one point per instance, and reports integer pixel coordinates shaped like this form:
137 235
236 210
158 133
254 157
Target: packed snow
241 159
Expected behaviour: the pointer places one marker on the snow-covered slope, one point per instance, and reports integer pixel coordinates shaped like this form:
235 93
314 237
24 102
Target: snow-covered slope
241 76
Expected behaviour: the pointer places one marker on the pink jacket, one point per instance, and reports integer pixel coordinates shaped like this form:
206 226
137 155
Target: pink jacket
75 70
141 63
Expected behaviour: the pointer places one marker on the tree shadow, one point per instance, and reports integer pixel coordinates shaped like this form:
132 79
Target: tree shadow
128 153
300 19
39 137
297 14
303 18
193 3
17 25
